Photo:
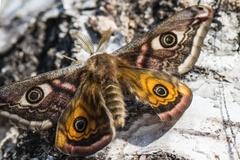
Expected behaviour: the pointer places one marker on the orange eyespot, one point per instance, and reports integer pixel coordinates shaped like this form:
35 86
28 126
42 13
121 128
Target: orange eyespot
34 95
80 124
160 90
168 40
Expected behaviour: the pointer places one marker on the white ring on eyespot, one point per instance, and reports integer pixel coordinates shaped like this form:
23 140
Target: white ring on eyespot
46 90
156 45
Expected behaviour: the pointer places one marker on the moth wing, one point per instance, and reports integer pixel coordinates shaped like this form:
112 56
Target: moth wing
86 125
166 94
36 103
174 45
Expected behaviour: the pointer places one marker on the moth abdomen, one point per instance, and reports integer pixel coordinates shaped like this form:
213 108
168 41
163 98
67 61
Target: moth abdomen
114 101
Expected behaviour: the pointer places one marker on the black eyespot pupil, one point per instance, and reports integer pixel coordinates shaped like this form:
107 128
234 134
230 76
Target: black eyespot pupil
160 90
168 39
80 124
34 95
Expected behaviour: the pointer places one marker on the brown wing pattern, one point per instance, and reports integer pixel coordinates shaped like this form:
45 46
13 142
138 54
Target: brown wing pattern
173 45
36 103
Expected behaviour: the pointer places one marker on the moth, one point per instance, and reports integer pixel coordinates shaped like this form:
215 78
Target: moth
86 102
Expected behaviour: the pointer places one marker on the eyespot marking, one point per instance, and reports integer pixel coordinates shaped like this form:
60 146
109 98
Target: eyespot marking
168 40
160 90
26 100
80 124
34 95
